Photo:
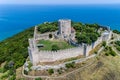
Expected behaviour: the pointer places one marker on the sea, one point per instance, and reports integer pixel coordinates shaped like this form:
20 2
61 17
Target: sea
16 18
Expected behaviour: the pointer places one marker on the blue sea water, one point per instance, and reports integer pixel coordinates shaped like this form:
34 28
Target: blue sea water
16 18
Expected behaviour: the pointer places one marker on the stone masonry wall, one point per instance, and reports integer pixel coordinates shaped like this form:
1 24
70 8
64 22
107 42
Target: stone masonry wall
37 56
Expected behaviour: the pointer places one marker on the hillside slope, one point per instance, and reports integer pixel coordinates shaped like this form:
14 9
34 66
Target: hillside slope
13 53
104 68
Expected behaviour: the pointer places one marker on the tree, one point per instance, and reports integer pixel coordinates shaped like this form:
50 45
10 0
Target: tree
25 72
96 26
47 27
93 36
78 27
82 38
50 35
86 33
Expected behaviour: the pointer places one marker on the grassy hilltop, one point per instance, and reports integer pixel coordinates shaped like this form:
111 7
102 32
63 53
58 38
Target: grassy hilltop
13 51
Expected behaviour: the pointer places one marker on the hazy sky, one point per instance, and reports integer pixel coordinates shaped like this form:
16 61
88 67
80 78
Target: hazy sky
59 1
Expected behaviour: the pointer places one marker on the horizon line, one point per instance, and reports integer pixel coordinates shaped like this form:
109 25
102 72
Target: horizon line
61 4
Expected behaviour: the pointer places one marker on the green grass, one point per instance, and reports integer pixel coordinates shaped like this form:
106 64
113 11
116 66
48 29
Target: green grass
48 44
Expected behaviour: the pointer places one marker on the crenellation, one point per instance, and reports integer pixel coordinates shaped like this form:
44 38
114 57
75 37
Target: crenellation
37 55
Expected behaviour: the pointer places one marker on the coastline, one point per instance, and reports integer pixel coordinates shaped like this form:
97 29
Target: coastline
12 20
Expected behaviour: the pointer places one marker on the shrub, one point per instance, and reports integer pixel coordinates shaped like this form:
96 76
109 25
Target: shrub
112 53
116 31
104 43
59 71
106 48
109 51
30 65
110 48
50 71
70 65
38 78
107 54
25 72
95 52
117 45
50 35
118 48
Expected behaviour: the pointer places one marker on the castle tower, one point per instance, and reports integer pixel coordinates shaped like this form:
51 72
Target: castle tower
64 27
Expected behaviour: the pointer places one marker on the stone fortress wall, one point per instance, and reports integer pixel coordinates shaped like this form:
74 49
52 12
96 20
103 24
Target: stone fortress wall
37 56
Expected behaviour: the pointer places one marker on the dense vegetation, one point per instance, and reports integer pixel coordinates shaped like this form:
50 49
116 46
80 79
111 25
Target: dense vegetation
70 65
116 31
14 51
86 33
48 27
15 48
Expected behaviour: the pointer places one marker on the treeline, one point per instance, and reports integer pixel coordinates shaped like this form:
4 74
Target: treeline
14 52
86 33
48 27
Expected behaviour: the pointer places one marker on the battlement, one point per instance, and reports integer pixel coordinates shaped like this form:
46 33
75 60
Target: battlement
37 56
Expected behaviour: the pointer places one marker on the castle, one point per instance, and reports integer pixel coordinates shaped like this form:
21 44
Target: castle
65 32
64 27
